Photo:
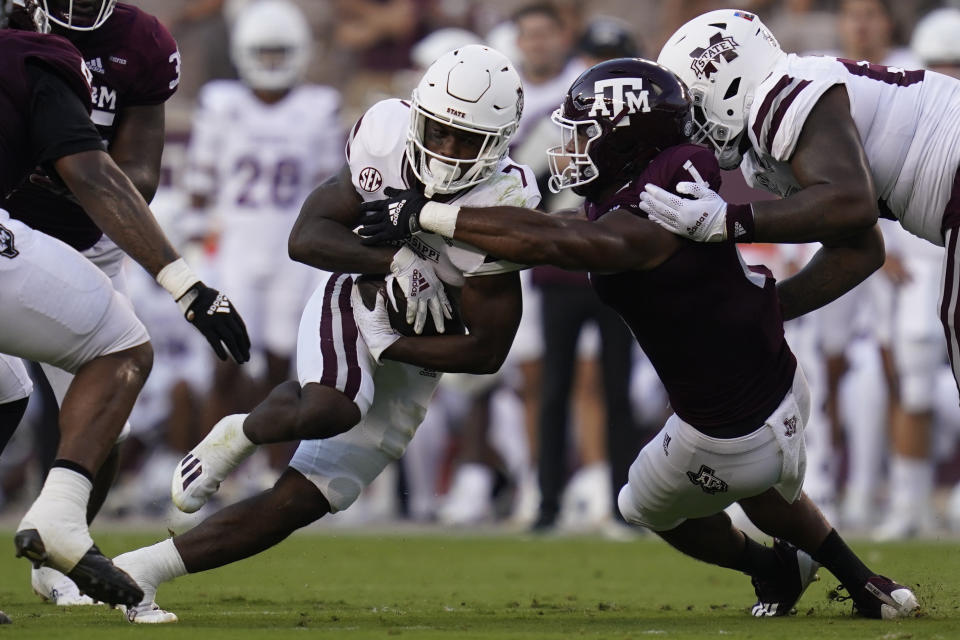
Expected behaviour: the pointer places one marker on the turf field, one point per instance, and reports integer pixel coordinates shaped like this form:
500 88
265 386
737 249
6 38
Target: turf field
431 586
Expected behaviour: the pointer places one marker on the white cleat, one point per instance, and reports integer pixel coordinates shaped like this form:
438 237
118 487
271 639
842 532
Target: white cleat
148 613
199 473
54 587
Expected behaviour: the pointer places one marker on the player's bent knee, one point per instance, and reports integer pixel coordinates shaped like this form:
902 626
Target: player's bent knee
325 412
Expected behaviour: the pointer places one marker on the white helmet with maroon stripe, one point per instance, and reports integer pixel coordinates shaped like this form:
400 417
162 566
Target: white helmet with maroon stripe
722 57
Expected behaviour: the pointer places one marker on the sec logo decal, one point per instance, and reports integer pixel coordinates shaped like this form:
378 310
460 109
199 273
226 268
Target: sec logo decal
370 179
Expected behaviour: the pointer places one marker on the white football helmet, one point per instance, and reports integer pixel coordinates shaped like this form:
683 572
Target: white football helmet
271 45
936 38
474 89
722 57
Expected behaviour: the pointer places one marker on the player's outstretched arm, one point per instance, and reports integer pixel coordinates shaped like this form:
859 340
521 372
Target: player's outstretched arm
490 307
619 241
110 199
118 209
137 146
323 237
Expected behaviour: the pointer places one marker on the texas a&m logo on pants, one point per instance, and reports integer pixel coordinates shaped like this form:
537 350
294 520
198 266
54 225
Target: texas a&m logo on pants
7 250
707 481
370 179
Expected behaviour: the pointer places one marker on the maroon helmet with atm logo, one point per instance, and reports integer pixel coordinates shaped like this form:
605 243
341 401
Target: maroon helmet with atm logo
615 118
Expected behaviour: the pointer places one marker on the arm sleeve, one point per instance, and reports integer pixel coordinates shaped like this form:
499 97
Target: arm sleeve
59 123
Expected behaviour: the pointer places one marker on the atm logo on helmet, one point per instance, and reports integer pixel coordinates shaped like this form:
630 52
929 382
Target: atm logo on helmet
628 97
705 60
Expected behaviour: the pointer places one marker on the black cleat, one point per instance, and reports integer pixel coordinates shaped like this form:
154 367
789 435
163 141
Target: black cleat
5 619
95 574
777 597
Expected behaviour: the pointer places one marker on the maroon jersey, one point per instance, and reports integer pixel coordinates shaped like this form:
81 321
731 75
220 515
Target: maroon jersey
710 325
134 62
19 154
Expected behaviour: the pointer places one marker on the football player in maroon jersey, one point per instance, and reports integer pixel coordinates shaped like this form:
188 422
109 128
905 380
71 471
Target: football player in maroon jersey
739 398
63 311
135 67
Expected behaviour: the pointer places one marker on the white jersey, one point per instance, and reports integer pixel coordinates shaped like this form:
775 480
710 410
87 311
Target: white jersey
376 152
254 159
909 123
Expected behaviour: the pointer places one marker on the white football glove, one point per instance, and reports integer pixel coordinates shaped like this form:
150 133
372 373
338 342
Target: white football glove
703 219
374 325
421 286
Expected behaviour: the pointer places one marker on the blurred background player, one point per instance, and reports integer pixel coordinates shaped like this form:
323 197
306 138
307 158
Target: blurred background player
135 68
259 145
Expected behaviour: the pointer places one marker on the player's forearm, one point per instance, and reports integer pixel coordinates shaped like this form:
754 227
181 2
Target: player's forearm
110 199
817 213
450 354
833 271
145 179
328 245
530 237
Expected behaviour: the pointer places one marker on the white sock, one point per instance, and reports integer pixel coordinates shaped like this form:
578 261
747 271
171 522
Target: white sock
59 514
152 566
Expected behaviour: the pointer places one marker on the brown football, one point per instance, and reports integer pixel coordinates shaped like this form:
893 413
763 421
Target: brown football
371 286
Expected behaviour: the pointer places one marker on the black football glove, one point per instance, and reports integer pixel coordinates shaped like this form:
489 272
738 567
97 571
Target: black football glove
212 313
396 217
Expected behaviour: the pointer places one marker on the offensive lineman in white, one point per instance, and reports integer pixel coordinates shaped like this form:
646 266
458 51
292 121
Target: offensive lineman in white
837 139
258 147
451 138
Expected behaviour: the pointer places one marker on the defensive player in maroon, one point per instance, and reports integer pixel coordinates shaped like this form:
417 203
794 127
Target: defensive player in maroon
134 67
61 310
740 400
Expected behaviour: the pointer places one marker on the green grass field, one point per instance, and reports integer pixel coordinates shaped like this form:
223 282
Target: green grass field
432 586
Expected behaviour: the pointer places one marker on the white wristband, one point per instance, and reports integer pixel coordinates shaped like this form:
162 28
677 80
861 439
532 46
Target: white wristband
439 218
177 278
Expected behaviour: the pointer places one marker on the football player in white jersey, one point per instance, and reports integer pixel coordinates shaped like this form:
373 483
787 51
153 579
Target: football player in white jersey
450 140
840 140
258 147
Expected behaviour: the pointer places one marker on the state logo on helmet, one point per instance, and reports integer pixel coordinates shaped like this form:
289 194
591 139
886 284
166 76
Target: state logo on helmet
473 89
615 118
722 56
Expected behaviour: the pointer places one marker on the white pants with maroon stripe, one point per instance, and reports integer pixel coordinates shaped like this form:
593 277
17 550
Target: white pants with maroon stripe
950 291
683 473
392 397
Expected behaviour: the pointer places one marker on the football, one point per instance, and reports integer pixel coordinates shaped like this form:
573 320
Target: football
371 286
